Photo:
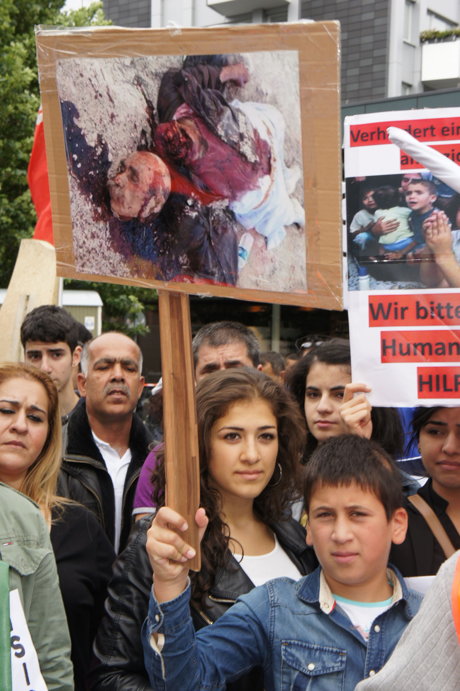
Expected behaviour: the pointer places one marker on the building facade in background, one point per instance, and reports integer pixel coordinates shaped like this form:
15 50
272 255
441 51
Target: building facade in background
382 55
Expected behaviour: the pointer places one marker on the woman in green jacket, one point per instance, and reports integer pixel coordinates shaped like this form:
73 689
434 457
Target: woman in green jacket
27 562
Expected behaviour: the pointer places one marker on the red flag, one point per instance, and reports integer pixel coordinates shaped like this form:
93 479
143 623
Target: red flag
37 177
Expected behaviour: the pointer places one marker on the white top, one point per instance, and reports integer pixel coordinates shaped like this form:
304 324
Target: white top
456 243
264 567
362 614
117 468
361 219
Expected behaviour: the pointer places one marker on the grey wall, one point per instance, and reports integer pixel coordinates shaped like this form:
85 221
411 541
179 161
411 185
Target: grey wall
364 26
131 13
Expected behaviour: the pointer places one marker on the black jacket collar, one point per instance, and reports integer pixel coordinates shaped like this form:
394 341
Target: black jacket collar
80 441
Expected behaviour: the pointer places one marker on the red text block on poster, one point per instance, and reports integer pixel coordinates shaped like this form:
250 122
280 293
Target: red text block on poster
438 382
429 129
420 346
431 309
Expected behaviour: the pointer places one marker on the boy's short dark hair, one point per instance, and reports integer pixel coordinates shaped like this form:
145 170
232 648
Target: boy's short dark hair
50 324
428 184
349 458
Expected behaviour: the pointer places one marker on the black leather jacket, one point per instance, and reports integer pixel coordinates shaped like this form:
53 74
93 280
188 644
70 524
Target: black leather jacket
84 476
118 643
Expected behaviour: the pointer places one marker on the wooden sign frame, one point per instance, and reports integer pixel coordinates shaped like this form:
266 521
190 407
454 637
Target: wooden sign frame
179 414
83 242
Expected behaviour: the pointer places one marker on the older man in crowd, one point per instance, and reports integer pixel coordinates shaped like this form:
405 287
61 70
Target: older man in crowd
223 345
107 442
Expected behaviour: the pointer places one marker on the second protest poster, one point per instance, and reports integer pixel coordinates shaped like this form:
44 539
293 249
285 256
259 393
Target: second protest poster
402 277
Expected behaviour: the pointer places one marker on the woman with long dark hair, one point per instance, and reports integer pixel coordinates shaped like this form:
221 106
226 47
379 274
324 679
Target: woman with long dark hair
332 405
251 439
434 512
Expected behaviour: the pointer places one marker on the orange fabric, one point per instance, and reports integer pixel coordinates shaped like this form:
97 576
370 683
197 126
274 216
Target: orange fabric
456 598
37 177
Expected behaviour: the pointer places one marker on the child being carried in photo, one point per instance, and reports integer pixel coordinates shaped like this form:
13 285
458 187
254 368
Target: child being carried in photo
397 243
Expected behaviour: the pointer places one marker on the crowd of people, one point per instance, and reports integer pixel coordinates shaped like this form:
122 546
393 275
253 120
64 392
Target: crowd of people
310 520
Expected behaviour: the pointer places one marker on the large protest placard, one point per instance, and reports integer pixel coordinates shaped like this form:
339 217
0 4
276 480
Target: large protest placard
198 160
403 264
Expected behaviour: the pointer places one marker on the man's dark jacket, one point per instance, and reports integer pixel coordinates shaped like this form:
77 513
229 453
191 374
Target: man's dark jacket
84 476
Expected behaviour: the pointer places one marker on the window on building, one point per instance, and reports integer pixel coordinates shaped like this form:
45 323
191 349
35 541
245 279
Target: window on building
410 28
438 23
406 88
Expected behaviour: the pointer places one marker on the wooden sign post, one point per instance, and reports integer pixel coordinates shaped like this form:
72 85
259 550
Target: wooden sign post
179 413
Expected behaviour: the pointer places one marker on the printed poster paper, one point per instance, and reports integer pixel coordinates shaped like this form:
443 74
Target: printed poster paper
25 669
403 254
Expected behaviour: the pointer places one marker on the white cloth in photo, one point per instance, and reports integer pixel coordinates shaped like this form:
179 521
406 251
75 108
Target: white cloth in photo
456 244
270 206
361 220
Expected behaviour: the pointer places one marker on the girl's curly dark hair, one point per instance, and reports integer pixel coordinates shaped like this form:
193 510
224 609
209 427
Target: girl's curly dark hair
215 393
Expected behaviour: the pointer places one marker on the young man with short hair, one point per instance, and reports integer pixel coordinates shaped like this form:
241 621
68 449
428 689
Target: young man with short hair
328 630
49 336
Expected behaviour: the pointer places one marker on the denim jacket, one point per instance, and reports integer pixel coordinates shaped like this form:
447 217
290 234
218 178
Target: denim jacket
294 630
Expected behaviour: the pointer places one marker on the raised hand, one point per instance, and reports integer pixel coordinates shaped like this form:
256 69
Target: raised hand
168 552
355 410
438 233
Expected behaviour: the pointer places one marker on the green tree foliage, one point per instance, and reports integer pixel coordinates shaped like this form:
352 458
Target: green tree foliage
18 110
19 101
124 306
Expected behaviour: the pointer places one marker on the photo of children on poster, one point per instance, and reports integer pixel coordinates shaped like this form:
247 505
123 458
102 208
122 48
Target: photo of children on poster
186 168
402 179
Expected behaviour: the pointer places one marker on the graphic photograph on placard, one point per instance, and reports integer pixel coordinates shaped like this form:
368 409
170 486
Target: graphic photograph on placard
400 228
403 200
186 169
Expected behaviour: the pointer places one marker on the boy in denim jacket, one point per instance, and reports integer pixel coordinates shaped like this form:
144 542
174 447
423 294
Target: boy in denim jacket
328 630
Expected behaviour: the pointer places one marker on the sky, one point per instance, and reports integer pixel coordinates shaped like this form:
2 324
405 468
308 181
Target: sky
76 4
